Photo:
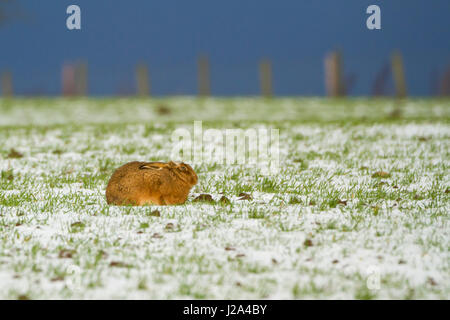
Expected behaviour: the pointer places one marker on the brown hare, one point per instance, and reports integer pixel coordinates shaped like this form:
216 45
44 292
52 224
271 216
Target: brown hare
141 183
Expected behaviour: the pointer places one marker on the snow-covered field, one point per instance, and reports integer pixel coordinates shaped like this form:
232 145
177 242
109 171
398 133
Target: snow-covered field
324 227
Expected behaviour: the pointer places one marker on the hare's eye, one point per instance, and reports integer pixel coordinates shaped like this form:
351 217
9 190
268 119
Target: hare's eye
183 168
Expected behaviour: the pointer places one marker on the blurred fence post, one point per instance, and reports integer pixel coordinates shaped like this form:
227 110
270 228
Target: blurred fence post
74 79
68 80
203 76
265 78
7 84
333 75
445 83
381 80
81 84
142 80
399 74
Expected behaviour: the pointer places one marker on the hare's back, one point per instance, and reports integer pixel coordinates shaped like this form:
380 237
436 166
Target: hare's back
128 171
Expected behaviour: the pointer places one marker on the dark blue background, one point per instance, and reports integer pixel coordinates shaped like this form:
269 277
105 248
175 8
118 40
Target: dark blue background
236 34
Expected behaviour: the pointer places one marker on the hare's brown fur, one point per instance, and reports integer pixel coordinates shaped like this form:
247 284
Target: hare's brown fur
142 183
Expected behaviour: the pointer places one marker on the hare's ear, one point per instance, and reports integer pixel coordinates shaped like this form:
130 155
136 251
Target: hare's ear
172 164
153 166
